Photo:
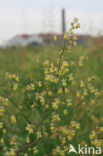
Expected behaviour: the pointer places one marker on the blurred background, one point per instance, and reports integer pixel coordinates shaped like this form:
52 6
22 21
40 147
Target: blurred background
27 30
36 21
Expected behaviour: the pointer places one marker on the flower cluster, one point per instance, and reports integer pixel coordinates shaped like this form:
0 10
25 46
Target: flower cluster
44 117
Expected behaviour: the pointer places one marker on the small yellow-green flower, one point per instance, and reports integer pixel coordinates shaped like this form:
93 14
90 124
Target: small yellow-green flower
13 119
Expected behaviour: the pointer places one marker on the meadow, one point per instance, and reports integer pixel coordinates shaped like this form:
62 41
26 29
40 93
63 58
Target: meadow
28 62
80 121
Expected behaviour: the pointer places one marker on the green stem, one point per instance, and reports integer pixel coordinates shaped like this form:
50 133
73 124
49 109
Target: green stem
26 118
60 57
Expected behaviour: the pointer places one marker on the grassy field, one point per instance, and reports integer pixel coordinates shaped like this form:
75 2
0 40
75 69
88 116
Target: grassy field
28 64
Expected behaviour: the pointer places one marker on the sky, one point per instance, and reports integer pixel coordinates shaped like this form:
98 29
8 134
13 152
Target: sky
35 16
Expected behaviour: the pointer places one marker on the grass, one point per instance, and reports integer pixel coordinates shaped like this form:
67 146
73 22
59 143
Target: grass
28 63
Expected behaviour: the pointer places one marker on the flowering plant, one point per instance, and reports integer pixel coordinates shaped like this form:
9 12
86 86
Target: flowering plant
51 113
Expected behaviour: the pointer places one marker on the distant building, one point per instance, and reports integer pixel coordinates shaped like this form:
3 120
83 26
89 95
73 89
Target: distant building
40 39
49 38
25 40
81 39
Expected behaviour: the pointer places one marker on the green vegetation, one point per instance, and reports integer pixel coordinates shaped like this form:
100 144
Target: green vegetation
50 98
28 62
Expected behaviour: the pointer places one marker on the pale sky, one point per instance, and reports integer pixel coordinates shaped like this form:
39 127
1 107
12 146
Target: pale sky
34 16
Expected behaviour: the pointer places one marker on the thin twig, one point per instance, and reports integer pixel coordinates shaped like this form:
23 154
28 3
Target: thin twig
60 57
26 118
35 142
